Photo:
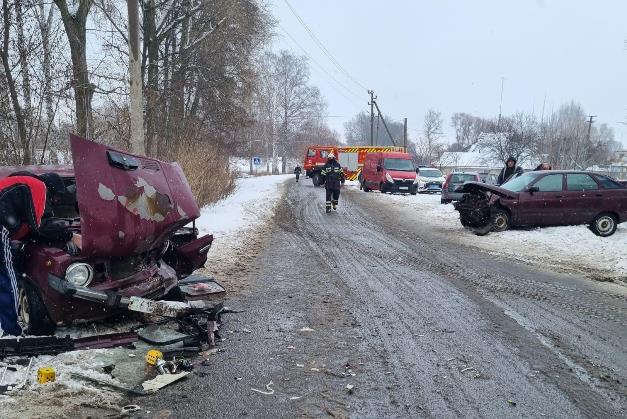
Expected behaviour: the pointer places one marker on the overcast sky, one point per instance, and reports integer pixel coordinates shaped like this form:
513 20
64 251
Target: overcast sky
450 55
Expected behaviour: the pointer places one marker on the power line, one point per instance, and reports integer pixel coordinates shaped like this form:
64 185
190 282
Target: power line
323 48
320 66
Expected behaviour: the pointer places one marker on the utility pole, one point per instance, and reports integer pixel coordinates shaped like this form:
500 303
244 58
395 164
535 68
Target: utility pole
405 134
590 121
371 103
135 70
498 124
384 124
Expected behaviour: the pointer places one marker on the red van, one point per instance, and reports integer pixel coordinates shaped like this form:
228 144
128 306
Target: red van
389 172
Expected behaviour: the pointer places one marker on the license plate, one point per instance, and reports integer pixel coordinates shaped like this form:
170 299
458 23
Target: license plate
434 187
403 187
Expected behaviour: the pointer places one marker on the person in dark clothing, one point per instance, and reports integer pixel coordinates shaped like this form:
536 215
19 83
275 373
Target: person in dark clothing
23 199
333 175
22 203
297 171
510 171
543 166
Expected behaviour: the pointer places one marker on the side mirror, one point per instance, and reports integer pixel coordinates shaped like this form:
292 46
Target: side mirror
533 189
417 170
379 168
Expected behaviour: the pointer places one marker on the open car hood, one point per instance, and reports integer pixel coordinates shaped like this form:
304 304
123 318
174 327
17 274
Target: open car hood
470 187
128 204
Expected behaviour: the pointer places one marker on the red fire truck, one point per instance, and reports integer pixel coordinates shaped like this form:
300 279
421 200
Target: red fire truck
351 158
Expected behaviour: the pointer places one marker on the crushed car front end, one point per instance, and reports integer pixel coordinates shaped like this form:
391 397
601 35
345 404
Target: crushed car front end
480 203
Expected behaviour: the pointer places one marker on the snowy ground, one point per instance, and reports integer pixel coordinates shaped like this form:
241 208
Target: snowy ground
238 223
573 248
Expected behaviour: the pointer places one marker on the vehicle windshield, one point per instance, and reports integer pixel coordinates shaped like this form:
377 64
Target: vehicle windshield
403 165
519 183
430 173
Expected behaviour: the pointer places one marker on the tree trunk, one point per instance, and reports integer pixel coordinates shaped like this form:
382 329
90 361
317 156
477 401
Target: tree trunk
75 29
26 87
17 108
152 88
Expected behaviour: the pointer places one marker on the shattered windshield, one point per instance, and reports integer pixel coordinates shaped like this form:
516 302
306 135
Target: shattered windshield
519 183
402 165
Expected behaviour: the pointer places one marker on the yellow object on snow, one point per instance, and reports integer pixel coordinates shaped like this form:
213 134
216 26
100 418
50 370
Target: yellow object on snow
152 356
46 375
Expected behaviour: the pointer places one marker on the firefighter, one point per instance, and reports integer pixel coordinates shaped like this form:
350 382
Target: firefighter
297 171
332 175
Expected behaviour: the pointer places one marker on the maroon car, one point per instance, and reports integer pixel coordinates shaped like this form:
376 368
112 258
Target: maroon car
545 198
133 214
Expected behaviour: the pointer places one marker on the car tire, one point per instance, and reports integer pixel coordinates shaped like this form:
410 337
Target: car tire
500 220
365 188
604 225
33 313
382 188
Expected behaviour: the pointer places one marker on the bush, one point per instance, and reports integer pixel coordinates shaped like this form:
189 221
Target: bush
207 170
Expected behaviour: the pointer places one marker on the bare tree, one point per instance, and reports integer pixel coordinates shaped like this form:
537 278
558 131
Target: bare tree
74 17
429 144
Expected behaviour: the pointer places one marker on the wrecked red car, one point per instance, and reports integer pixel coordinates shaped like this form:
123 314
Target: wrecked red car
134 215
545 198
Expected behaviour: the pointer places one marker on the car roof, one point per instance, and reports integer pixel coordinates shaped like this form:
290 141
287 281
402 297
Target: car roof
61 170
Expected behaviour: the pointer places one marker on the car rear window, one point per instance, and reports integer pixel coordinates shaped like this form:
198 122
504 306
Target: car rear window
580 182
608 183
461 178
550 183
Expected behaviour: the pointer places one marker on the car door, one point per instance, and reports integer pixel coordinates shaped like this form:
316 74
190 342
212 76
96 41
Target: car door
544 207
581 198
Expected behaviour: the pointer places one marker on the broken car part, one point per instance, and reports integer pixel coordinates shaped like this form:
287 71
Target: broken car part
52 345
129 391
138 304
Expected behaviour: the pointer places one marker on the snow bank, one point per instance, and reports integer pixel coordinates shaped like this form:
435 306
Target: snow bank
253 201
570 247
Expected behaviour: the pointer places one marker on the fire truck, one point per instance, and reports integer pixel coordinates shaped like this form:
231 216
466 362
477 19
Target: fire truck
351 158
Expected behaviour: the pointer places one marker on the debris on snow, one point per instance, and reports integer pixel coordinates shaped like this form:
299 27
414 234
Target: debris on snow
268 391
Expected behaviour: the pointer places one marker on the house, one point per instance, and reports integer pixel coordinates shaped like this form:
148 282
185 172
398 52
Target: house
473 160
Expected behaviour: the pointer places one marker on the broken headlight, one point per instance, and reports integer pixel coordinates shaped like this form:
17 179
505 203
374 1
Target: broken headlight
79 274
389 178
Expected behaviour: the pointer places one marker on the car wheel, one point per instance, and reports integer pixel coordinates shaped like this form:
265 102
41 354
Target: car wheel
366 189
33 314
500 220
382 188
604 225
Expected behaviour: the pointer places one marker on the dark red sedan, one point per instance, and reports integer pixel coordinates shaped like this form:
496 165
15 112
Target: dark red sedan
135 215
545 198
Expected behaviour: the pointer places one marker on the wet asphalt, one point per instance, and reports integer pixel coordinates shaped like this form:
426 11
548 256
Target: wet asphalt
361 314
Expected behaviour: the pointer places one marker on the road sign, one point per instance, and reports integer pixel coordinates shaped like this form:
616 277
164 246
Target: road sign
257 161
